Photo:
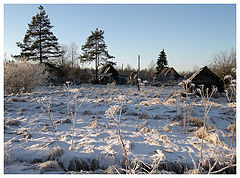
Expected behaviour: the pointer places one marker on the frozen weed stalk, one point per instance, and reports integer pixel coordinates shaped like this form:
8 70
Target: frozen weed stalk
138 113
187 86
115 112
178 98
231 89
74 117
231 97
205 96
111 87
47 103
67 89
74 122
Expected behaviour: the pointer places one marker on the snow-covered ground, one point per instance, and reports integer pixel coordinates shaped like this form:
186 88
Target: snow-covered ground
150 128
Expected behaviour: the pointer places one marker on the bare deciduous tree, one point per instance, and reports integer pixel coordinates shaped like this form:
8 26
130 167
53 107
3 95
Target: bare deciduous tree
73 53
62 60
223 63
151 67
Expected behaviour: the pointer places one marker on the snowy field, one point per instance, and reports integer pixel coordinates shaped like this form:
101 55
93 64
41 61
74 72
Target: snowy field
151 122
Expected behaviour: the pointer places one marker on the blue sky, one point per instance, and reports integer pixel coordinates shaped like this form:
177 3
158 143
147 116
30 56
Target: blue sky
190 34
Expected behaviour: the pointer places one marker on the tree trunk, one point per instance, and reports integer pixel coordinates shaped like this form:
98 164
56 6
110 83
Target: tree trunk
72 58
40 46
40 51
96 64
62 61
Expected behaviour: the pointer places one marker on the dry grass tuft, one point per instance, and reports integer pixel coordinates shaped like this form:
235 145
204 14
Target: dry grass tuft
114 170
12 122
201 133
169 127
173 167
94 124
25 132
63 121
170 101
231 128
87 112
143 116
49 166
177 118
55 153
166 129
83 165
196 122
222 164
209 137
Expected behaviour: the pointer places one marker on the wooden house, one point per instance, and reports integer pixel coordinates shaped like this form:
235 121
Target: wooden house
87 75
167 75
109 74
57 76
206 77
133 77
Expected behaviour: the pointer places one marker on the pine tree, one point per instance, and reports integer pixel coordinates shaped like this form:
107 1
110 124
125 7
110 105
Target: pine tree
95 50
161 61
39 43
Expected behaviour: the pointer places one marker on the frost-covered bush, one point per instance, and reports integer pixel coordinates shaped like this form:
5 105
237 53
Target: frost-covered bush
230 87
23 76
223 62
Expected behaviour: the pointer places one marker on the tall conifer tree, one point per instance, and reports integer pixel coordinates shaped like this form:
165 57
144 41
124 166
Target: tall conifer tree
161 61
39 43
95 50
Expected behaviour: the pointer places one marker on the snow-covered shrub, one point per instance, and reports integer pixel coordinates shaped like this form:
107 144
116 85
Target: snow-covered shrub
23 76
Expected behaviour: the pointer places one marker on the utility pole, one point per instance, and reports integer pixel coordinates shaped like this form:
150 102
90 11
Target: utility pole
122 68
138 75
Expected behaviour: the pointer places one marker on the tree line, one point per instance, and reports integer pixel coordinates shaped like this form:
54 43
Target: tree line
40 44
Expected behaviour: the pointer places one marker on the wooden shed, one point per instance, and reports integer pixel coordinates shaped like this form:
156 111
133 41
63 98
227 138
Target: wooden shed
171 74
57 75
209 79
168 74
109 74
